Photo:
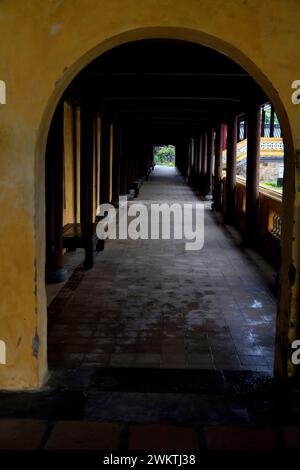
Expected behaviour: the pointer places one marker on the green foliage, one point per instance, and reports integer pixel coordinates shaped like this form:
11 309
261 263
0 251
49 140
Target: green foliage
164 155
272 184
268 117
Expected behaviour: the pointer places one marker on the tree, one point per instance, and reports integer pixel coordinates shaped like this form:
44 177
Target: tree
165 155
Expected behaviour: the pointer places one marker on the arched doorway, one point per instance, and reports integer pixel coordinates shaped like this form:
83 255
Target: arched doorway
264 84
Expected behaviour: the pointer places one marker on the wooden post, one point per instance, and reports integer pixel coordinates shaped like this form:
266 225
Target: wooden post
199 168
203 163
209 160
272 121
263 123
55 271
218 168
116 165
86 152
197 158
252 182
195 162
104 161
123 160
229 215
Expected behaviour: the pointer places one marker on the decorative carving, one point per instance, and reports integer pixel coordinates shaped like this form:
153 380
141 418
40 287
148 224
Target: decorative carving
276 225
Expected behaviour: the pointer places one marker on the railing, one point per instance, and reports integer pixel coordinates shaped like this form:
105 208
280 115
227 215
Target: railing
269 217
270 213
240 203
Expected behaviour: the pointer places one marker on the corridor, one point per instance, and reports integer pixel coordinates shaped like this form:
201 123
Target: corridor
150 303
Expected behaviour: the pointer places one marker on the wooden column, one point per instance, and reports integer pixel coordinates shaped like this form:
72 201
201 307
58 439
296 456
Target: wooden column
203 163
199 169
196 161
116 167
185 156
104 161
194 169
55 271
189 158
272 121
229 215
86 152
252 182
246 130
209 160
262 123
123 161
130 161
218 168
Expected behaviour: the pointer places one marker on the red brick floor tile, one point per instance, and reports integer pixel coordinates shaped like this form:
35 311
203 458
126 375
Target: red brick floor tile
174 360
84 435
291 437
253 360
21 434
161 437
238 438
144 359
157 298
121 359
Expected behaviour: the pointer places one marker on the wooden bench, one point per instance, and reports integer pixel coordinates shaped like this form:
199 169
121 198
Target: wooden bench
150 168
82 236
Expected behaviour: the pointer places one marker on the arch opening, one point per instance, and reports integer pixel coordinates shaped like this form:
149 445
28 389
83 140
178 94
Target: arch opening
118 116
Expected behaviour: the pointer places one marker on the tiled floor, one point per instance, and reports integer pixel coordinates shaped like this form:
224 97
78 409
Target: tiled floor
158 409
150 303
71 260
92 435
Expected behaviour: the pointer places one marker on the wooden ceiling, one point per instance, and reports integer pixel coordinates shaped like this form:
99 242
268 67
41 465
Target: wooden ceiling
166 86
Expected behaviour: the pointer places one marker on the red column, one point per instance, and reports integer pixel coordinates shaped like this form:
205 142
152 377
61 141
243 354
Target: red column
218 167
104 160
210 153
116 165
55 271
252 182
229 215
272 120
86 165
203 163
199 162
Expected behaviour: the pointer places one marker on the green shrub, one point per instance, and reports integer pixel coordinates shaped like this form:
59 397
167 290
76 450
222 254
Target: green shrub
165 155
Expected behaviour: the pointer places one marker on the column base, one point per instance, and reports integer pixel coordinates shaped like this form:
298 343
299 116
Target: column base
54 276
249 240
115 203
217 206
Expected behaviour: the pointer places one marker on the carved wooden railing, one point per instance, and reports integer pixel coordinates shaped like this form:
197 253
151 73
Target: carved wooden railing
270 217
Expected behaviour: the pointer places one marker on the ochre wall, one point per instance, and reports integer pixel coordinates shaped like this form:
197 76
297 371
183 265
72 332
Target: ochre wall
43 45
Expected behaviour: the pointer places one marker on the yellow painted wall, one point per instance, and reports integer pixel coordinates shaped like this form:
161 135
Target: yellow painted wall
43 45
